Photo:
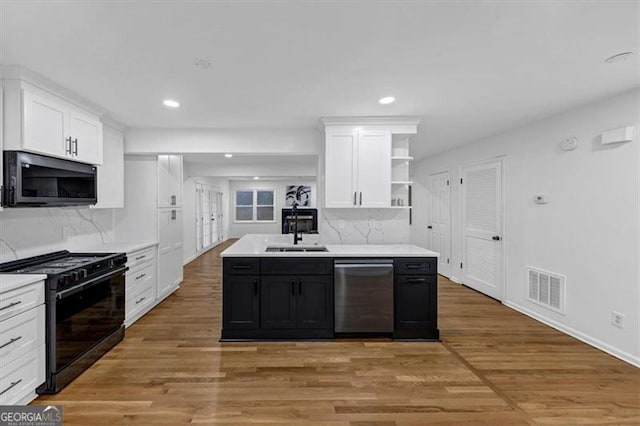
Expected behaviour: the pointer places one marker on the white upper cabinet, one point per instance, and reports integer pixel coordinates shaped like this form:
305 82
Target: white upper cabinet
86 134
111 172
169 180
45 125
358 168
41 122
374 168
340 186
360 163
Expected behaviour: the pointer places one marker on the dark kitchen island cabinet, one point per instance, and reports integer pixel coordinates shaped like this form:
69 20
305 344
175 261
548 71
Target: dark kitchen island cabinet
291 298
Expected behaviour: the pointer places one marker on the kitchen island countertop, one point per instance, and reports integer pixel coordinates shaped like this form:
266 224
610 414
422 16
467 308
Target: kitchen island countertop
255 245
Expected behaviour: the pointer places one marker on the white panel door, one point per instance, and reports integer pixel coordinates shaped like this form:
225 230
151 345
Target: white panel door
177 246
206 217
175 179
215 211
482 250
199 222
439 220
339 169
164 182
46 125
373 179
166 275
86 133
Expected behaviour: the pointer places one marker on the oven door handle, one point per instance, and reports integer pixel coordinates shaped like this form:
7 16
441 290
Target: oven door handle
66 293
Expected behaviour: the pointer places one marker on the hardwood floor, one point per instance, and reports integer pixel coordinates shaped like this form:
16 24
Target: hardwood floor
494 367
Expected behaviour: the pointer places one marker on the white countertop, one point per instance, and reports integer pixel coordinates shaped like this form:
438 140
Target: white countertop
120 247
254 245
10 282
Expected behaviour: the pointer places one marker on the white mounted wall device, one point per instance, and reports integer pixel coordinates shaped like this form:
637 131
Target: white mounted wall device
623 134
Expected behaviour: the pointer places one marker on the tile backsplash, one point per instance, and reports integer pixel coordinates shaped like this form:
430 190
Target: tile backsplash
364 226
34 231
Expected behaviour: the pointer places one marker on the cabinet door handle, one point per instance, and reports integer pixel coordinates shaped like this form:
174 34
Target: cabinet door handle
15 339
241 267
11 386
416 280
361 198
414 265
75 147
173 200
355 198
293 287
11 305
67 146
300 287
173 215
141 276
141 257
140 300
255 287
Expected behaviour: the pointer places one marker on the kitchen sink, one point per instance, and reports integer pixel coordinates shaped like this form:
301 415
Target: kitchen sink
280 249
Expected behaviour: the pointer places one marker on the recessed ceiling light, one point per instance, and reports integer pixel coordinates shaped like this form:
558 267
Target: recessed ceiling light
620 57
228 155
256 177
201 63
171 103
387 100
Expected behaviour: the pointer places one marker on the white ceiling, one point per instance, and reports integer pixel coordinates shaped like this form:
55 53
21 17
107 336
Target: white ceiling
468 69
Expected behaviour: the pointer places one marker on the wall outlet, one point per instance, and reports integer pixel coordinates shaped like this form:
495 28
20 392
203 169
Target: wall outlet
617 319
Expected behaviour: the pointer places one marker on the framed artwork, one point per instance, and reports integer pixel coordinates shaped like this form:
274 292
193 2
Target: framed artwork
299 195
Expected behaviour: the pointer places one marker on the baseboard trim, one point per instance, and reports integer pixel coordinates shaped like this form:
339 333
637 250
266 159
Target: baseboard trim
598 344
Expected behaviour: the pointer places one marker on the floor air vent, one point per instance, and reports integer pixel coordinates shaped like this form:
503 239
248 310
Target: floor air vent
546 289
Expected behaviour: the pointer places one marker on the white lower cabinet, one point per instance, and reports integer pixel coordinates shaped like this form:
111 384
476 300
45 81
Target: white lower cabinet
170 272
22 343
140 281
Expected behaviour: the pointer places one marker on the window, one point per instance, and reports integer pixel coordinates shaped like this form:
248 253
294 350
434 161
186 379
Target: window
255 205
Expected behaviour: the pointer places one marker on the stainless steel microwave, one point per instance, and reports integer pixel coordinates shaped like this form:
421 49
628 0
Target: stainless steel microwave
33 180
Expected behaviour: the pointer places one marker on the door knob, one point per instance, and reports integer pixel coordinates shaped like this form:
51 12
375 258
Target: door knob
496 238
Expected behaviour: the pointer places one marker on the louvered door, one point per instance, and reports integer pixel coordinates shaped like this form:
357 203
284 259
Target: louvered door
482 248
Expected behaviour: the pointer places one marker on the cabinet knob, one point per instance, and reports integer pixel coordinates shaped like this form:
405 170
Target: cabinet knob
496 238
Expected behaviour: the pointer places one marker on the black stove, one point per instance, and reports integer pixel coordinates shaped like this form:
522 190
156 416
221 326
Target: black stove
85 308
65 269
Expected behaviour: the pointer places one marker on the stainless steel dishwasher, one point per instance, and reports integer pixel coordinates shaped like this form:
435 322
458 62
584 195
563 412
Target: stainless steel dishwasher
363 296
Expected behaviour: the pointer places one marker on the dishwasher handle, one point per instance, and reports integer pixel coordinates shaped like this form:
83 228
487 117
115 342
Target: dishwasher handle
362 265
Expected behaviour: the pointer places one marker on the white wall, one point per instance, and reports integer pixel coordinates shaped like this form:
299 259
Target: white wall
189 211
26 232
589 229
237 229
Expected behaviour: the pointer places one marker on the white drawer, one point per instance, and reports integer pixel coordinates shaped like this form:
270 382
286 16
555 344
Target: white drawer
21 300
140 256
140 277
21 334
139 302
21 377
